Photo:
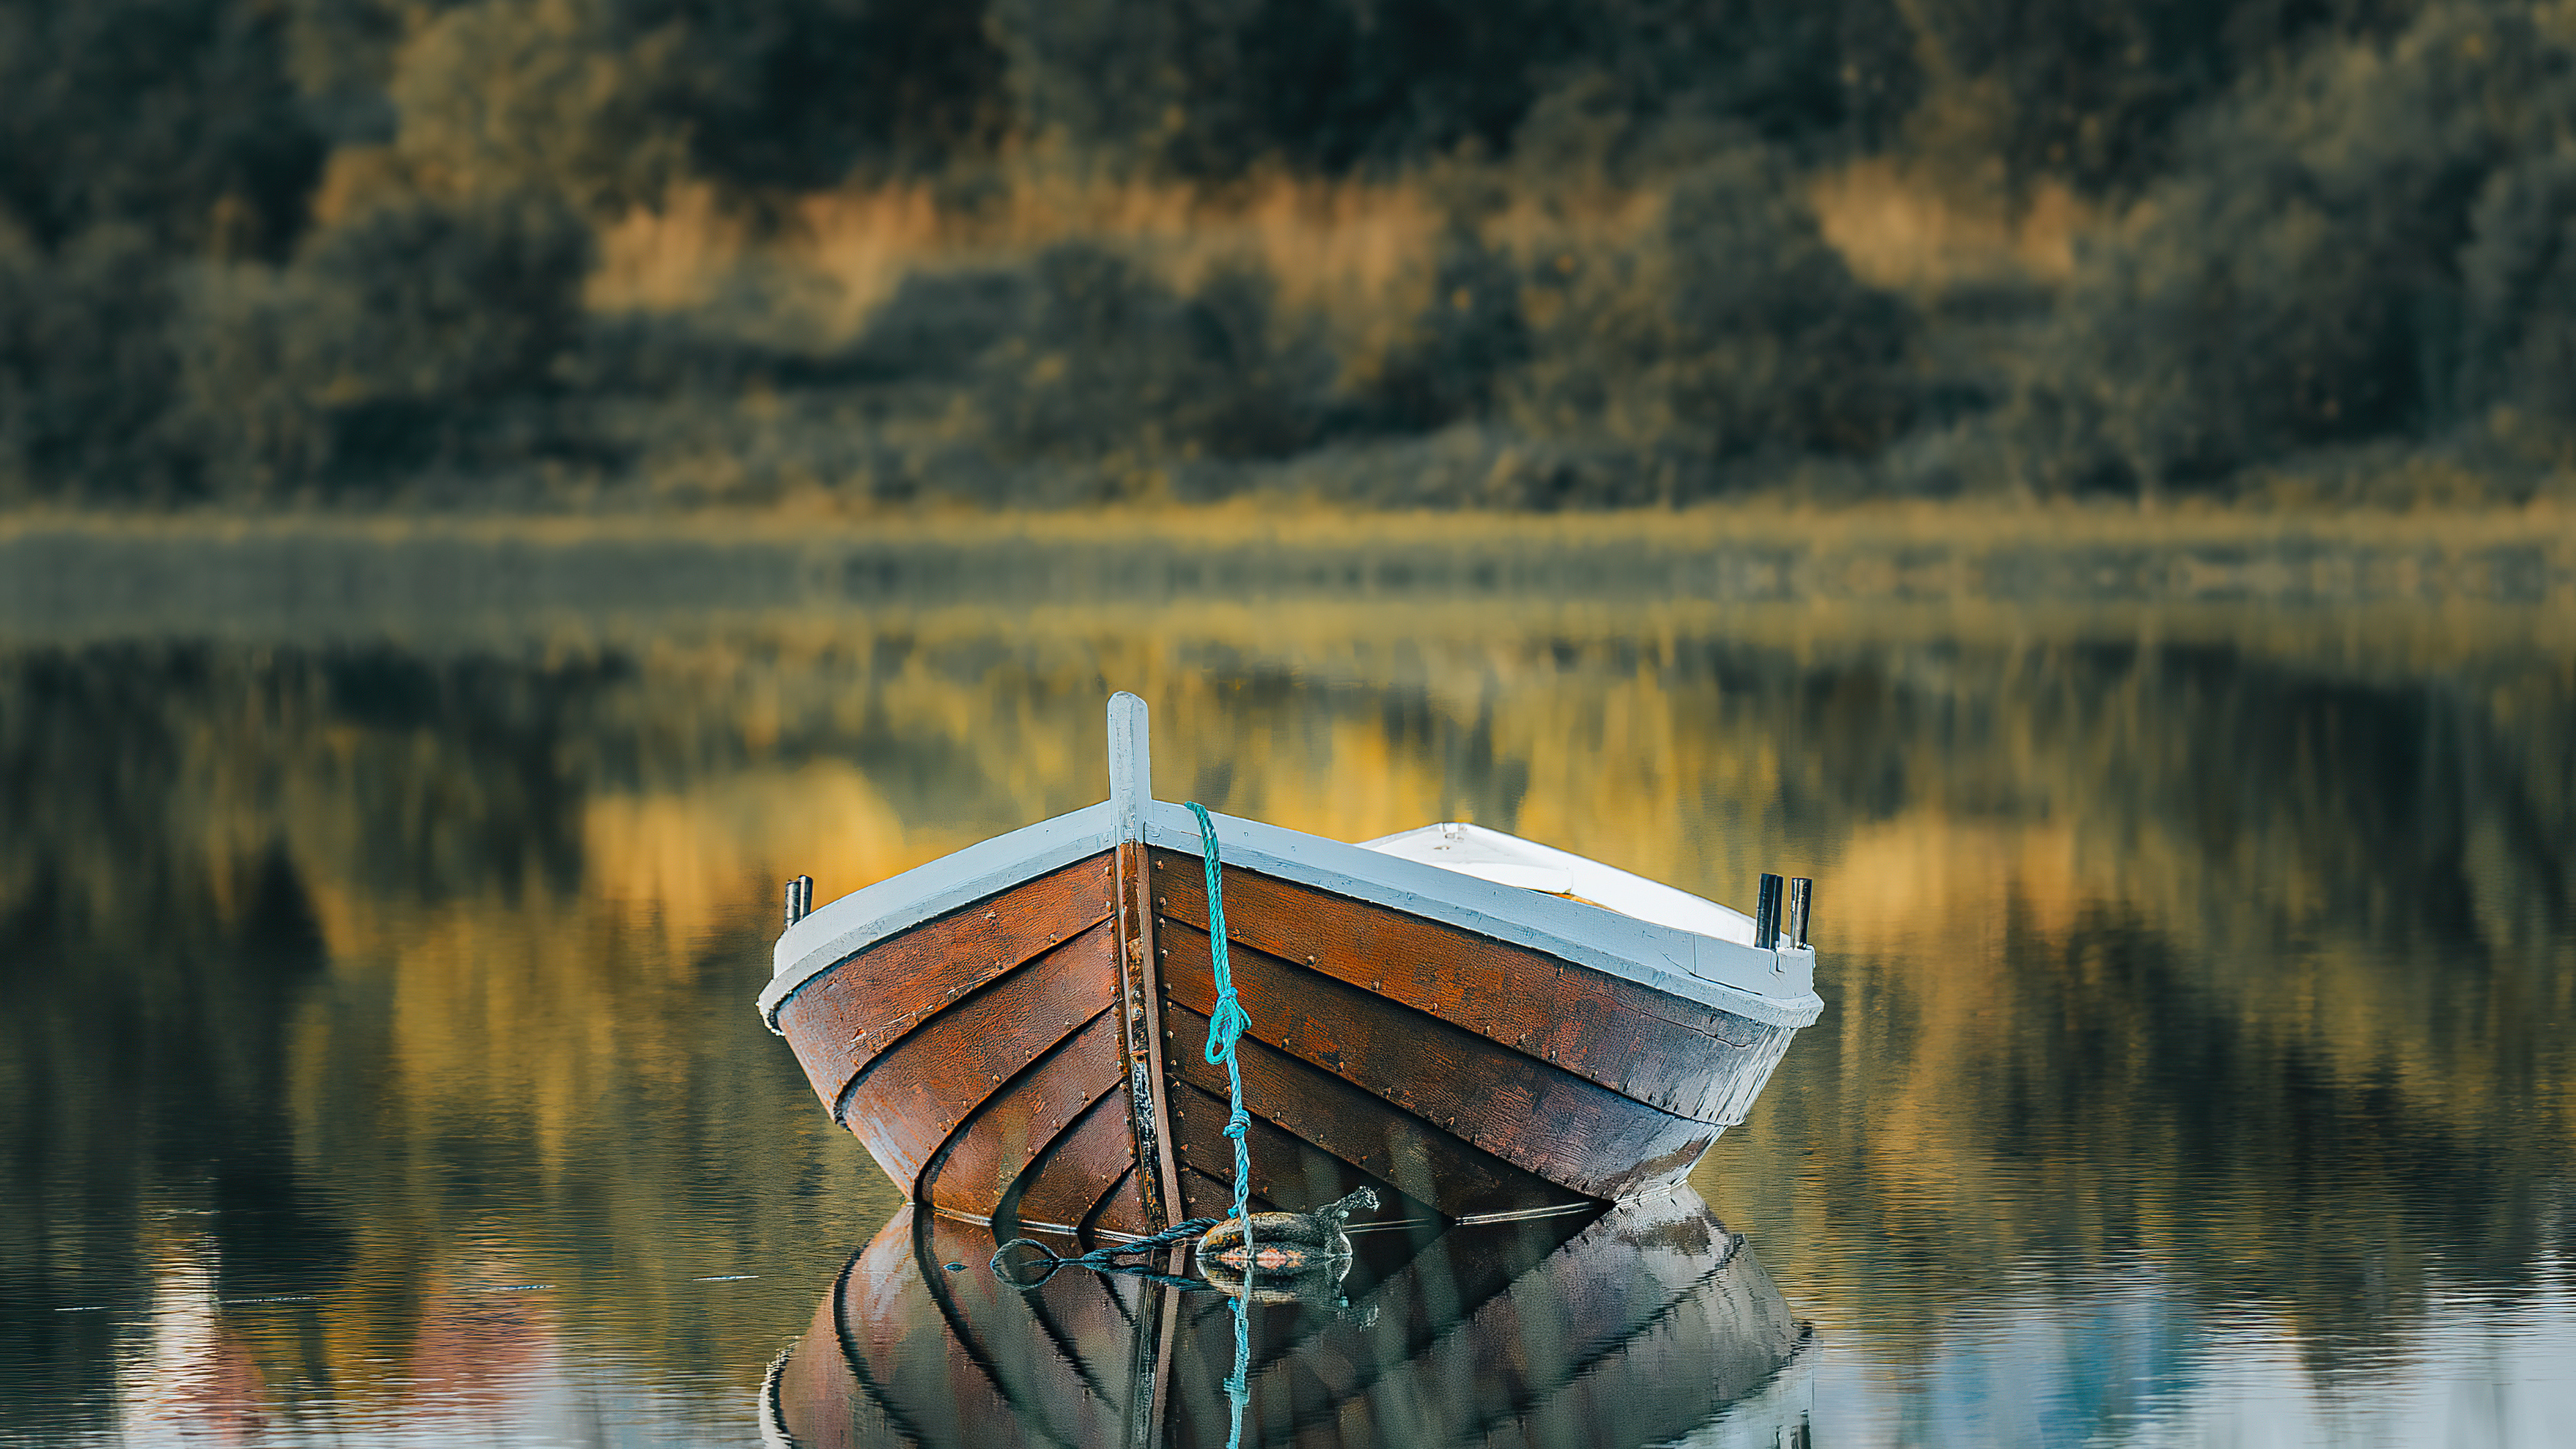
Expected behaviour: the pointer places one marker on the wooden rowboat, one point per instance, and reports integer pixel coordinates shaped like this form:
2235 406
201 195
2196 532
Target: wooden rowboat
1474 1024
1638 1325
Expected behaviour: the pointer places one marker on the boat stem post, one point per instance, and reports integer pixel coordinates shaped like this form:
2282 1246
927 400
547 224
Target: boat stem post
1131 768
800 898
1766 915
1801 893
1140 1045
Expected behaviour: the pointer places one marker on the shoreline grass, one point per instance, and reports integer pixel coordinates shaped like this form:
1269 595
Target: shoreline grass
2350 586
2544 521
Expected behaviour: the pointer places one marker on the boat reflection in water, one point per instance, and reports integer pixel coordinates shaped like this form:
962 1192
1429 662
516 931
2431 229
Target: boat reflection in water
1641 1323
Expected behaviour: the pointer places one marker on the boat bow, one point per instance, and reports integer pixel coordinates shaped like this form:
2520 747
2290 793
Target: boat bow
1017 1029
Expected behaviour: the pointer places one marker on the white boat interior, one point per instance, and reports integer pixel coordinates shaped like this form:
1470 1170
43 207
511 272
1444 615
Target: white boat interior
1509 860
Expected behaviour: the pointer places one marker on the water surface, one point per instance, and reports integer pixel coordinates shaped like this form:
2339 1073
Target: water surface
377 1058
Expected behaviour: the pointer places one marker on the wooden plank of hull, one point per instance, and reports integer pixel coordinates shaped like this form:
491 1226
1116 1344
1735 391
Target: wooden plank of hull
1074 1185
840 1021
1055 1015
1301 1100
980 1161
1285 1170
1677 1055
1634 1330
1537 1116
1119 1215
1085 1184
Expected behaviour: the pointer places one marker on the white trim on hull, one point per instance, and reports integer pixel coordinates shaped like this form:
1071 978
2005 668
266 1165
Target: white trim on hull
1715 966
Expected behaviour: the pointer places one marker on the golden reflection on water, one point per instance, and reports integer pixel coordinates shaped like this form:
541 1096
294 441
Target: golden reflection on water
2235 946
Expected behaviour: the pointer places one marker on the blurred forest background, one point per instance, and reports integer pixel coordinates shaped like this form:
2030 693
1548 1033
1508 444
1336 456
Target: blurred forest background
849 254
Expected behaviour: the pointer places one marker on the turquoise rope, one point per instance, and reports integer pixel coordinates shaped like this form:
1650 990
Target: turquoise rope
1226 1026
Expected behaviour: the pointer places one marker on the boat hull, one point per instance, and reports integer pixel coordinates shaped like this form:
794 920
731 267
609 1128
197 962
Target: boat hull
981 1054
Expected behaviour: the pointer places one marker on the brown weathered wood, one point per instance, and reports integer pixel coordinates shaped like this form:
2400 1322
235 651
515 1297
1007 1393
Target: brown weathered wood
1140 1046
1119 1216
979 1160
1121 1192
1394 1146
910 1097
845 1016
1539 1118
1638 1042
1288 1173
1078 1170
1213 1197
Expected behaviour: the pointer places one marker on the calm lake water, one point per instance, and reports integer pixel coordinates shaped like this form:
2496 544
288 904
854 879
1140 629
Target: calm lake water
378 1061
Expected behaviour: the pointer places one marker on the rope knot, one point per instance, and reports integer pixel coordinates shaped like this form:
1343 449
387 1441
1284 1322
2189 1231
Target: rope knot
1227 1025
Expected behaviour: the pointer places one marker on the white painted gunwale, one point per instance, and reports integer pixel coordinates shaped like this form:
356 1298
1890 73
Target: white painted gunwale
1774 988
